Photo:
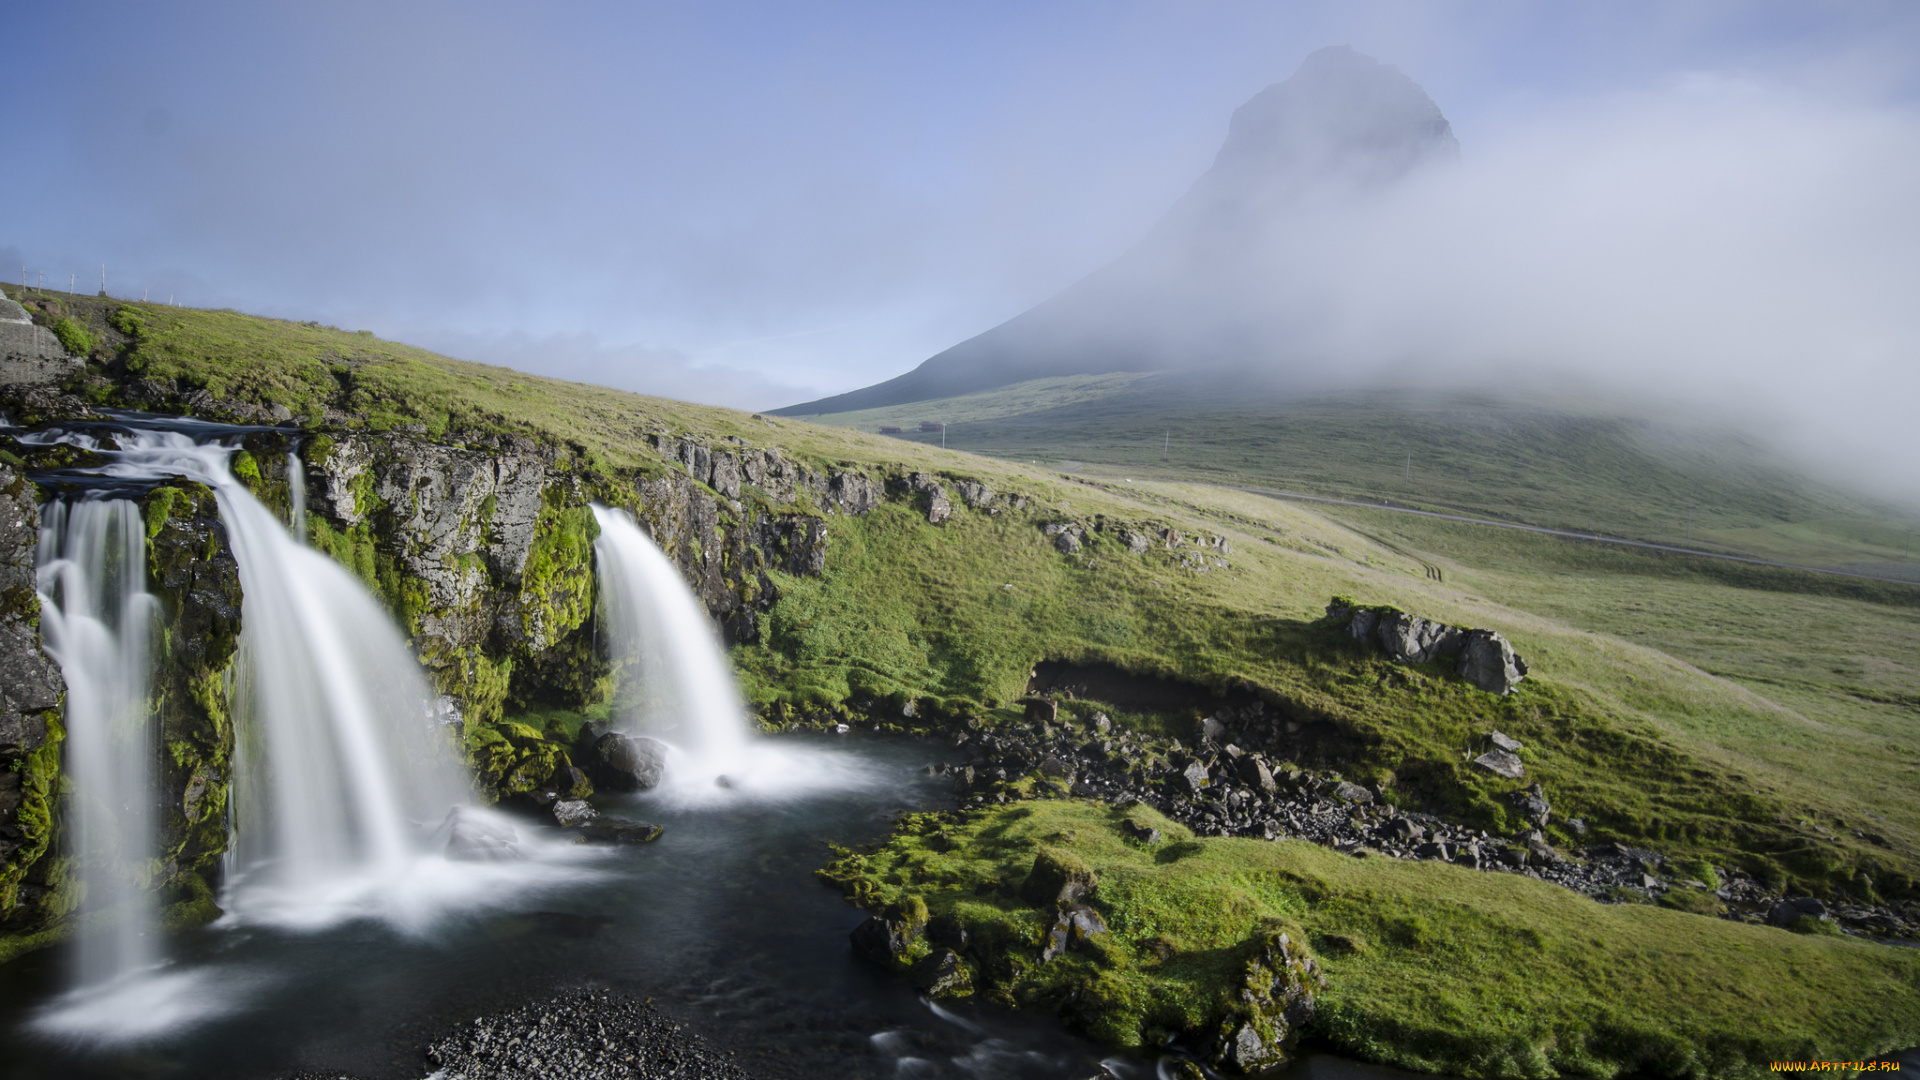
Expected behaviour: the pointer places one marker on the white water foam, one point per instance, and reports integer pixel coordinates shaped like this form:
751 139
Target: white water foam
344 772
675 685
97 623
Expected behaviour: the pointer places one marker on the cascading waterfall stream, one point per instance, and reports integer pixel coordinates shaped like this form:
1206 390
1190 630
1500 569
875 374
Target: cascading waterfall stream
675 685
347 779
97 623
679 687
341 758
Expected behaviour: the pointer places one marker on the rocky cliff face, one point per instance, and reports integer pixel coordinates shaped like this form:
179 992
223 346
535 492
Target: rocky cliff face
485 551
192 571
31 691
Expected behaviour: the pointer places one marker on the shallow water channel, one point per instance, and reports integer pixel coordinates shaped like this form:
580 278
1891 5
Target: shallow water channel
721 921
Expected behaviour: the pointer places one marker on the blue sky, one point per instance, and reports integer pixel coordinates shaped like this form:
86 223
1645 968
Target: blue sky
752 204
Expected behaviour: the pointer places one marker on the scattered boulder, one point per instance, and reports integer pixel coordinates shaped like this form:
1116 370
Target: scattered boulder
1041 710
568 812
1348 791
1073 925
1278 985
885 938
1057 877
1193 779
627 762
1502 763
1532 805
1505 742
1255 774
1489 662
1209 731
1410 639
941 973
1486 659
1146 834
1789 911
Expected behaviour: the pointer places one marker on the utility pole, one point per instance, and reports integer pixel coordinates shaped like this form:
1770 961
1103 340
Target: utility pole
943 435
103 279
73 284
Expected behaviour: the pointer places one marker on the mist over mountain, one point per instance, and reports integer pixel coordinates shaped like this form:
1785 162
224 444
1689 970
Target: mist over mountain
1196 290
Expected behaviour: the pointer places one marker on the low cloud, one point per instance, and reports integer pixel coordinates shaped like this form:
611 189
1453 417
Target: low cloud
586 358
1743 252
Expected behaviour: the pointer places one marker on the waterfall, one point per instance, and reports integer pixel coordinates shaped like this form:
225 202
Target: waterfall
677 687
297 495
674 684
97 622
343 765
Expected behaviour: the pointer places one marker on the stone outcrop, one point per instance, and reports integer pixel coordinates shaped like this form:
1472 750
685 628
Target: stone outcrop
1275 1003
30 355
31 692
191 570
1483 657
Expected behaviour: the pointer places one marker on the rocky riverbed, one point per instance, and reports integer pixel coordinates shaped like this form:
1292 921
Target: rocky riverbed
581 1035
1216 788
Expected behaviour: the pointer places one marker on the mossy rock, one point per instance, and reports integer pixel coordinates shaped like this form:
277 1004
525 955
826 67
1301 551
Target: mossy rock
1057 875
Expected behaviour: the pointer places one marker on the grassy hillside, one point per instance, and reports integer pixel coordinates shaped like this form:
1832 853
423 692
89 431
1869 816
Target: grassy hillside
1542 460
1739 715
1429 966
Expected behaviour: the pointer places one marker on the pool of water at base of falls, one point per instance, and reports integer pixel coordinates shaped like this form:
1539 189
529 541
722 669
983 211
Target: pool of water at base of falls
721 921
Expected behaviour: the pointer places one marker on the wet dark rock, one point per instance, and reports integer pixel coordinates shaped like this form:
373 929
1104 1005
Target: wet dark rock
585 1035
941 973
626 762
885 938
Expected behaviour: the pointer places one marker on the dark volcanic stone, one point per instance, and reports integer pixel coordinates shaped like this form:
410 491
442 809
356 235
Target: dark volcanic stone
586 1035
627 763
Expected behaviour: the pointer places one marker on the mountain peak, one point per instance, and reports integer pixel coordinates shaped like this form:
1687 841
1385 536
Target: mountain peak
1343 123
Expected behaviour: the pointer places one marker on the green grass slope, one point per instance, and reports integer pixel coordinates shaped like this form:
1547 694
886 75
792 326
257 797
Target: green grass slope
1430 967
1665 707
1549 460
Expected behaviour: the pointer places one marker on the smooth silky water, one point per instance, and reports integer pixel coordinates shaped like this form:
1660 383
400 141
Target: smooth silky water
351 954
